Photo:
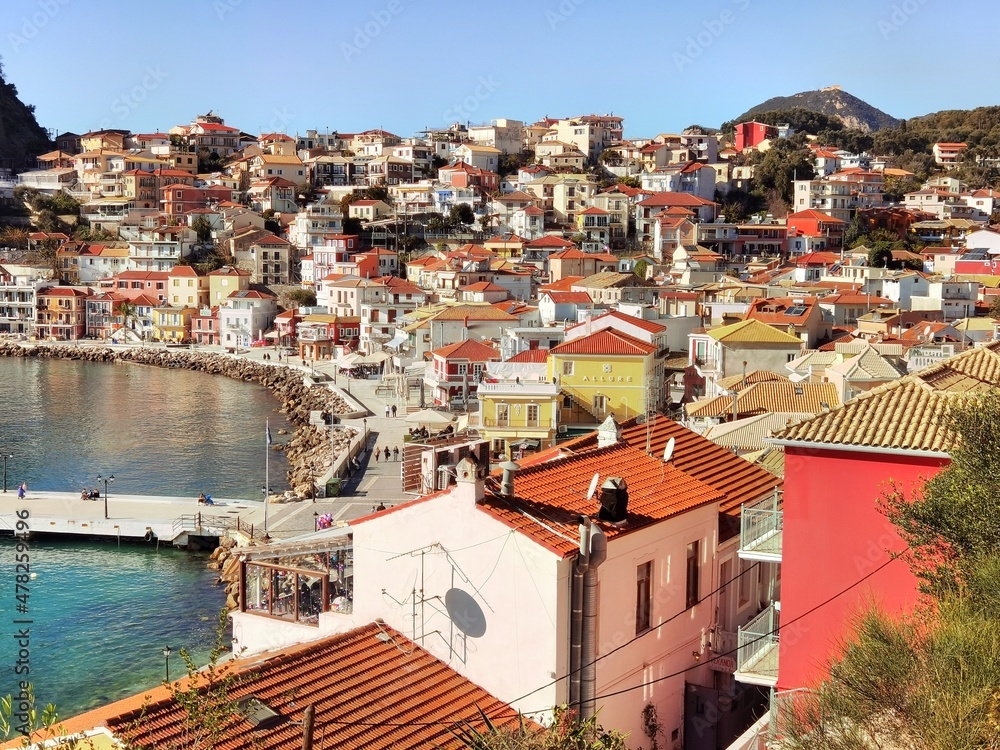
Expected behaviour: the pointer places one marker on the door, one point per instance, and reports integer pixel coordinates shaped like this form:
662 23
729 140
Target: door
701 717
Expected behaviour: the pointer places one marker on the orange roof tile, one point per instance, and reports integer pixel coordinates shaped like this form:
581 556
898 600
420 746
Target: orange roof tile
473 351
608 342
550 497
531 356
367 693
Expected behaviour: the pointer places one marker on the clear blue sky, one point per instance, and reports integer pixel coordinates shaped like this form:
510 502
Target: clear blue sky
409 64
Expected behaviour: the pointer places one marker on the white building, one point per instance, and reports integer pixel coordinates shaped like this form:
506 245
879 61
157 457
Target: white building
244 318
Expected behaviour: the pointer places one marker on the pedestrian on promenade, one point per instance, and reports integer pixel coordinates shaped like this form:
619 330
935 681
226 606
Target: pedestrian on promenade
387 410
23 489
393 410
395 453
377 451
386 453
365 420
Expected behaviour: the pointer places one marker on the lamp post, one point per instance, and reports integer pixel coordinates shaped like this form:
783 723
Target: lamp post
6 457
315 521
312 482
166 662
108 480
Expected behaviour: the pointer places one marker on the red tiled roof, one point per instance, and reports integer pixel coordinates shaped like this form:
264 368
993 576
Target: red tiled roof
645 325
554 493
563 285
740 481
482 286
473 351
531 356
608 341
579 298
817 216
368 692
550 240
62 291
675 199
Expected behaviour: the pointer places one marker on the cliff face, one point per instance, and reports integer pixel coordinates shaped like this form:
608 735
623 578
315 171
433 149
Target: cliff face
21 137
833 102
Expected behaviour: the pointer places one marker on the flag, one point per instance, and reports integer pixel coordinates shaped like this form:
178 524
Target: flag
267 431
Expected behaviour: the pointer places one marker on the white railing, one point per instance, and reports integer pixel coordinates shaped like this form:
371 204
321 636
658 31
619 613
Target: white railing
757 649
761 531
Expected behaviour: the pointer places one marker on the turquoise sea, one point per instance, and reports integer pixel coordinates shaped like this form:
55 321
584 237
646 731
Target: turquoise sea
102 614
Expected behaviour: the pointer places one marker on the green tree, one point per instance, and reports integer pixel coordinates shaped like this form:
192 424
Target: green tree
461 213
782 164
129 313
641 269
303 297
203 228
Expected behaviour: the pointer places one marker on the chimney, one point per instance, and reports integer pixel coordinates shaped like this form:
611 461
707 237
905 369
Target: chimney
614 500
507 482
608 433
470 480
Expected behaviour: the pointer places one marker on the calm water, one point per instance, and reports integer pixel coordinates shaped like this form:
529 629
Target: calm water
102 615
159 431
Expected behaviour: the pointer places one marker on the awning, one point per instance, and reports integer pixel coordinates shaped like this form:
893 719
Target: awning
271 335
526 444
397 341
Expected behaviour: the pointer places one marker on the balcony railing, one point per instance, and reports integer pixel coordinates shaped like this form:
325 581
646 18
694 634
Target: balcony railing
761 531
757 650
525 388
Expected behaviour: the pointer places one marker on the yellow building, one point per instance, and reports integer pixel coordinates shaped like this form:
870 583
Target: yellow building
224 281
518 405
605 373
187 288
172 324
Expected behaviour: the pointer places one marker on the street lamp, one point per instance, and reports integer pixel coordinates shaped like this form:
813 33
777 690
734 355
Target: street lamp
109 480
6 456
312 481
315 520
166 662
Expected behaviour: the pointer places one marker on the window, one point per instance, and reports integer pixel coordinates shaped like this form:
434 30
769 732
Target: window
693 554
567 402
567 368
643 596
532 415
503 415
745 582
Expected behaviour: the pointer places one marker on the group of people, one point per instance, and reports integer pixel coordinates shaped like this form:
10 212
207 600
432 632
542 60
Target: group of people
86 494
385 452
390 410
204 499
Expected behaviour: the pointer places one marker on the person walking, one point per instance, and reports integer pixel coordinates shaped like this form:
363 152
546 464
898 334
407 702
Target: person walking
395 453
387 410
377 451
393 410
386 452
23 489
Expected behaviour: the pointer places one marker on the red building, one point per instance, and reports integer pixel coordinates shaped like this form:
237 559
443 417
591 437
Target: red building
752 134
455 370
205 327
812 223
461 174
837 546
180 199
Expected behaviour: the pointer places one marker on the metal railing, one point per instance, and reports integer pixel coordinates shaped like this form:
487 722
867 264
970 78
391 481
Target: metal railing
757 647
202 522
761 531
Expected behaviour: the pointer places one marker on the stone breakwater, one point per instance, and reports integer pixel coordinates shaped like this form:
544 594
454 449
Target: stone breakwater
308 445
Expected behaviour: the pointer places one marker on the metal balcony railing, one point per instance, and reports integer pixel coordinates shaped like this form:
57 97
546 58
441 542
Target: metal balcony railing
757 649
761 531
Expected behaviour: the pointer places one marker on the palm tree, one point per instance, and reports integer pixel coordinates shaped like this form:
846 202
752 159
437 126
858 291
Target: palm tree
129 313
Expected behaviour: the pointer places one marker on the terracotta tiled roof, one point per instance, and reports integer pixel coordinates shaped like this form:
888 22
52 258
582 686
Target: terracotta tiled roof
748 434
756 376
474 312
531 356
645 325
607 341
739 482
811 398
906 414
674 199
550 240
369 691
550 497
563 285
815 215
470 350
580 298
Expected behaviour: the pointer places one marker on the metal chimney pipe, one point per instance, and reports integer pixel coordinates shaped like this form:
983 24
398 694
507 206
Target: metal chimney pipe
588 671
576 614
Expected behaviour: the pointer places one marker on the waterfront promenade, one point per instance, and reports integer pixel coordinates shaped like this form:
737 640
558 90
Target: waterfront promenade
135 517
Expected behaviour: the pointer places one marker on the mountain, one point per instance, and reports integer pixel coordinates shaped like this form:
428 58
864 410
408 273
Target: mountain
833 102
21 137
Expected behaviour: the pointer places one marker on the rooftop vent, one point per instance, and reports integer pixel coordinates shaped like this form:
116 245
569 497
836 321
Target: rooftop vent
507 482
258 713
614 500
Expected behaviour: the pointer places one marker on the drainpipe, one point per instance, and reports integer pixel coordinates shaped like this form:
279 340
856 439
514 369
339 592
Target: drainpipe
576 614
588 671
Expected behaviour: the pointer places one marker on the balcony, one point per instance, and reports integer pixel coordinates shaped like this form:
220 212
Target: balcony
522 388
760 532
757 649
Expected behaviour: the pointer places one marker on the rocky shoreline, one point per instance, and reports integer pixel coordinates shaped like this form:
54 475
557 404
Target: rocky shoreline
307 445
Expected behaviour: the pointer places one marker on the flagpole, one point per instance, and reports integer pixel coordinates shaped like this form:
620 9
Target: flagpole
267 470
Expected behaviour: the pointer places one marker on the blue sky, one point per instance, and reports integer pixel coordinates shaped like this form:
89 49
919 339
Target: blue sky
409 64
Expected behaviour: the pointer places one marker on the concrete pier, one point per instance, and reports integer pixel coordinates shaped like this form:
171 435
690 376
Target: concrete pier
179 521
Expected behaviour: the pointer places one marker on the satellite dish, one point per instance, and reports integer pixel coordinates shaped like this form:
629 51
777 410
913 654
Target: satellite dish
593 486
668 451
